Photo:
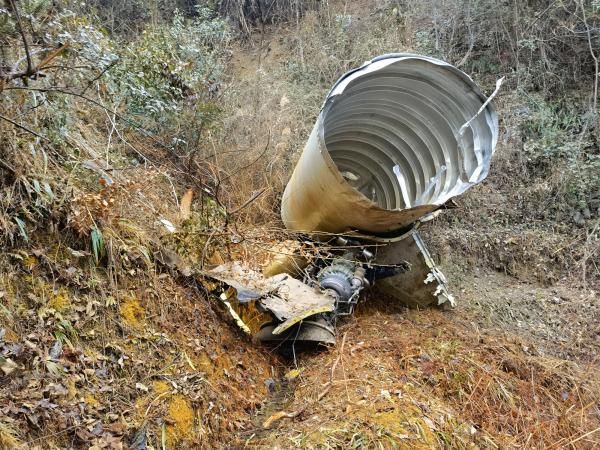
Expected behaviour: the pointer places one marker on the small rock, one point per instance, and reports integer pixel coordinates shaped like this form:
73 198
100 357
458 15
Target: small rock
7 365
386 394
270 384
587 214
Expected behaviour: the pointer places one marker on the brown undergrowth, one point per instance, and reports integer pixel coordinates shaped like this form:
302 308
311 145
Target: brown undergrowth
104 345
421 379
520 221
152 362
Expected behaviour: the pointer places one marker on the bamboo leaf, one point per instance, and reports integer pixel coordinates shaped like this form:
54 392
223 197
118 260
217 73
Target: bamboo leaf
22 229
97 244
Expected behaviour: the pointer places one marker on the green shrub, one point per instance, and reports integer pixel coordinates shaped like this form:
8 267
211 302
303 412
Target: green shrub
168 64
161 83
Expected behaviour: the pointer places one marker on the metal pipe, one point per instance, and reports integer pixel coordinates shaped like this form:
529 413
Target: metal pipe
388 148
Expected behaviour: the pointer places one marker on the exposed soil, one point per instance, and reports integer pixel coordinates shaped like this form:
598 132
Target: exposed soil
507 368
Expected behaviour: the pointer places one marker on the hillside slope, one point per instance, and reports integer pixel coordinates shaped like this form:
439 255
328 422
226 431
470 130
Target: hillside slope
104 343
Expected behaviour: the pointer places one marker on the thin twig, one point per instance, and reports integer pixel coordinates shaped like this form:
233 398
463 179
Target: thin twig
252 198
23 37
250 163
325 391
61 90
7 166
23 127
204 249
285 415
594 57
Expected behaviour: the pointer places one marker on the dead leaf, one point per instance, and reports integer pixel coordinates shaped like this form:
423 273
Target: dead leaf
7 365
78 253
185 205
139 441
54 368
280 415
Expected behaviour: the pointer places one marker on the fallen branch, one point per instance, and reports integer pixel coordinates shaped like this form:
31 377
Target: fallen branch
281 415
23 127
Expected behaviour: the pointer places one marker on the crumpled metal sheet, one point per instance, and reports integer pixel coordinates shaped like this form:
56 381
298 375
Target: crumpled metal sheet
248 284
282 295
423 285
293 298
390 146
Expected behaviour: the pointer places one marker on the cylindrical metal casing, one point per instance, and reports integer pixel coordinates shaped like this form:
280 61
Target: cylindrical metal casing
389 146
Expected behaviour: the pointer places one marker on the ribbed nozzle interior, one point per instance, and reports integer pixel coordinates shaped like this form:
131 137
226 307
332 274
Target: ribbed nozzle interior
392 133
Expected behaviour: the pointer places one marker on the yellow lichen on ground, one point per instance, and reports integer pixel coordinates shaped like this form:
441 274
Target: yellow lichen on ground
205 364
10 335
132 312
30 262
427 434
8 437
90 400
400 421
141 406
146 403
60 302
72 390
181 414
391 421
161 386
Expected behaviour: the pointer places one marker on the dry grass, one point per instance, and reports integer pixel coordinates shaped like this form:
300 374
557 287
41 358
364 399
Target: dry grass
103 352
519 221
417 379
116 342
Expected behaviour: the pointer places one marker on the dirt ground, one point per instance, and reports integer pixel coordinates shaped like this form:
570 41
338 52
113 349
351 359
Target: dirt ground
153 361
513 366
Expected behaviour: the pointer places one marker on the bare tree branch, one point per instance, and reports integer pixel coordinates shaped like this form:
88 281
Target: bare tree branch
15 10
65 91
594 57
23 127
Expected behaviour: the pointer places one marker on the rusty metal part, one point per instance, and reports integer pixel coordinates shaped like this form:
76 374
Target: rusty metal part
287 257
395 139
423 285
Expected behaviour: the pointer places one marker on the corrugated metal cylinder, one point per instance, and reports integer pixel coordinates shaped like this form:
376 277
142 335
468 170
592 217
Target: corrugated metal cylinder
388 147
